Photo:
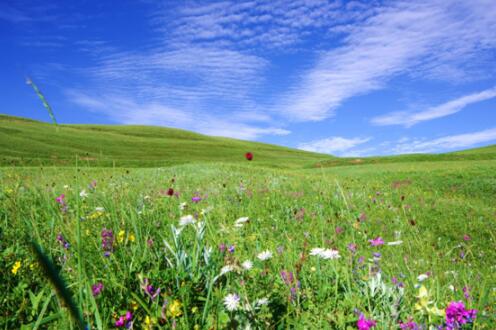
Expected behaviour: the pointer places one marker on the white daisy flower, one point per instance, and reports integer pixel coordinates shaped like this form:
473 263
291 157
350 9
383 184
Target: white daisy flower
265 255
83 194
99 209
231 301
247 265
241 221
422 277
186 220
395 243
330 254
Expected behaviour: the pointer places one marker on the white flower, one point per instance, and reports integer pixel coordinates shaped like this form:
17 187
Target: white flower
66 186
325 253
316 251
452 288
99 209
330 254
395 243
231 301
83 194
241 221
226 269
183 205
265 255
247 265
186 220
261 302
422 277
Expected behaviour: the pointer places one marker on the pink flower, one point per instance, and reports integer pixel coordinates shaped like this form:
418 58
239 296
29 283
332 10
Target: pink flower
124 320
60 199
376 241
466 237
365 324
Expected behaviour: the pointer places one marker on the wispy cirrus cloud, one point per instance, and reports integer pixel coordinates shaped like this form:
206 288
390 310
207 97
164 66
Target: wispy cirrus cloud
451 107
436 39
333 145
446 143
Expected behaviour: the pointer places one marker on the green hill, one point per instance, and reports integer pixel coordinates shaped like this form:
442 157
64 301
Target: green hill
26 142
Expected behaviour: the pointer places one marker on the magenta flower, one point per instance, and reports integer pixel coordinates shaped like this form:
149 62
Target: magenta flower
352 247
466 237
96 289
409 325
457 315
149 289
196 199
365 324
62 241
125 320
107 241
376 241
60 199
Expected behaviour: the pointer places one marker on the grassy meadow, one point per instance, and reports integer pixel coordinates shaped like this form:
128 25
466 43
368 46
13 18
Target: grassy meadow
204 239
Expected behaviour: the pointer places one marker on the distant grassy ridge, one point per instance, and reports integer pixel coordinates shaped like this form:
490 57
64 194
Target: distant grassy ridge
485 153
26 142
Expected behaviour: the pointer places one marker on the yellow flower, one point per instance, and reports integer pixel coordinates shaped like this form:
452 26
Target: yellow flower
95 215
149 322
120 236
134 305
131 237
174 309
423 303
313 269
194 310
16 267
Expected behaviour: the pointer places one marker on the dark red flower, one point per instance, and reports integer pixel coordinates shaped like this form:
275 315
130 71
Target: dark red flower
170 192
249 156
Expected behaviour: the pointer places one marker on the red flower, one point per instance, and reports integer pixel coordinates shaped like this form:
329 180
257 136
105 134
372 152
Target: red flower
170 192
249 156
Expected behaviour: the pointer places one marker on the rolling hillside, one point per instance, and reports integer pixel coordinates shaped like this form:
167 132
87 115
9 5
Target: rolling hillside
25 142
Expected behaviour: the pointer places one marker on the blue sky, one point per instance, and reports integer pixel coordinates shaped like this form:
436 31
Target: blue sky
348 78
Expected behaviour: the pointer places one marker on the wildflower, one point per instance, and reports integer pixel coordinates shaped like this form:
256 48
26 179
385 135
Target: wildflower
249 156
196 199
149 322
316 251
231 301
409 325
120 236
466 237
222 247
422 277
376 241
83 194
107 241
125 320
325 253
365 324
231 249
226 269
352 247
457 315
96 289
423 303
60 199
149 289
170 192
131 237
265 255
183 205
62 241
247 265
174 309
186 220
16 267
241 221
339 230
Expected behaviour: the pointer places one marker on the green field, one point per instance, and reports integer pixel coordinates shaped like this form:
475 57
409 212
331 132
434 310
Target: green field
114 237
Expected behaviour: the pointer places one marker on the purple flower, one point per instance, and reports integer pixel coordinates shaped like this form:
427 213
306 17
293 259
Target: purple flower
63 242
287 277
222 247
365 324
409 325
97 288
196 199
352 247
376 241
361 260
150 290
466 292
107 241
230 249
60 199
125 320
457 315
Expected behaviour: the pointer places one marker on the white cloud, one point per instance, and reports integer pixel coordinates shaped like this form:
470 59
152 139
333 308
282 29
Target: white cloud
126 110
432 39
332 145
447 143
409 119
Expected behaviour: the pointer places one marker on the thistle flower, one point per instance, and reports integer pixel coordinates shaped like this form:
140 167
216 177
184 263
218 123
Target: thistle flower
231 301
96 289
376 241
365 324
265 255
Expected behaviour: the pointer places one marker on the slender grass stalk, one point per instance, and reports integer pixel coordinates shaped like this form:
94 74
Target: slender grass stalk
43 100
52 274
